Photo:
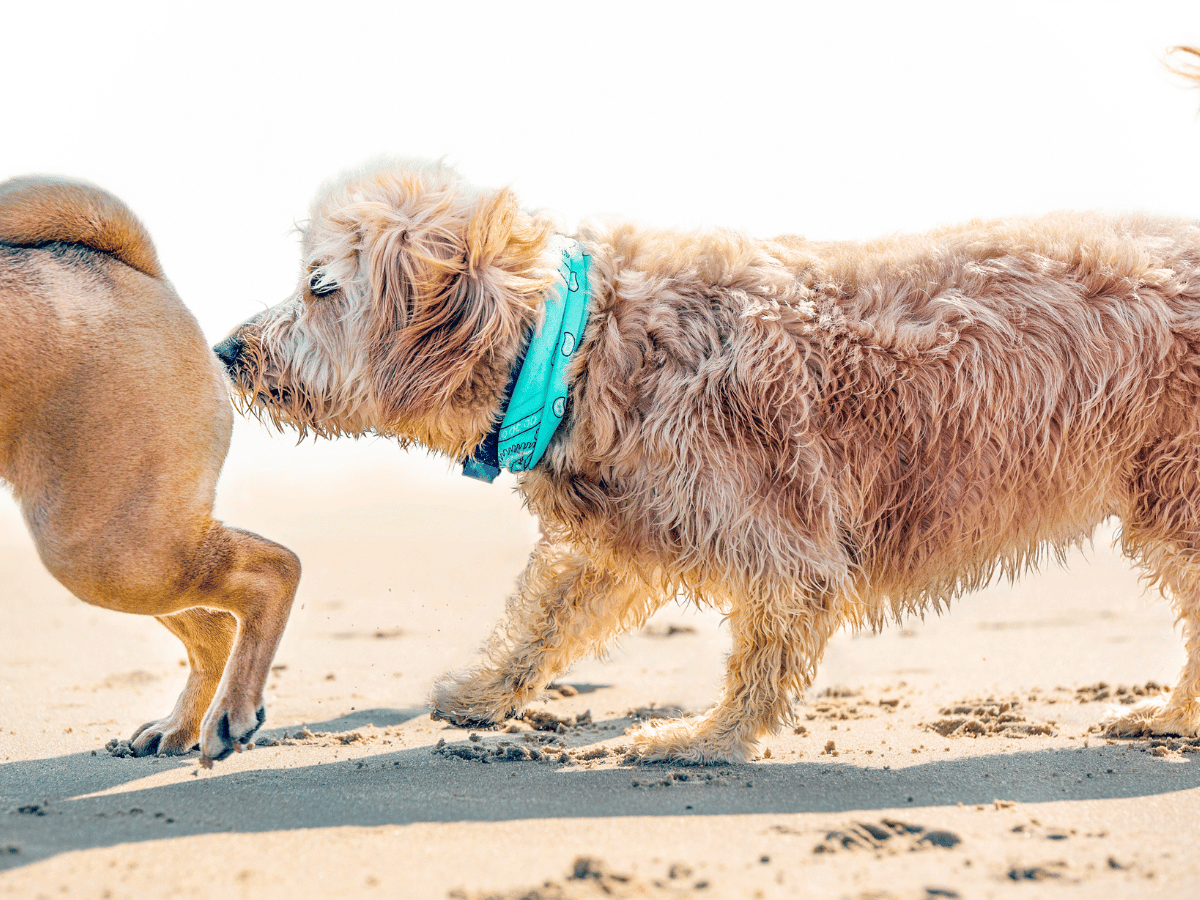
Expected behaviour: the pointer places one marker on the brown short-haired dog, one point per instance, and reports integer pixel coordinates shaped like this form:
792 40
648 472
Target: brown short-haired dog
802 434
114 423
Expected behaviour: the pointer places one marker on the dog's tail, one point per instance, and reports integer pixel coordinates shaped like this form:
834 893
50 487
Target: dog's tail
41 209
1183 61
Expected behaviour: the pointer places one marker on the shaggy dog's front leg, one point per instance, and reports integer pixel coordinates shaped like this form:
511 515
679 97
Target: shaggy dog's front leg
777 643
564 607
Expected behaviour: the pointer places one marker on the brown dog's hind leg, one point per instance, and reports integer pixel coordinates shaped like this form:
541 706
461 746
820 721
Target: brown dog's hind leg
236 590
225 593
255 580
208 636
564 607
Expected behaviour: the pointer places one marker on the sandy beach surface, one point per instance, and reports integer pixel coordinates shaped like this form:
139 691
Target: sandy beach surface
950 757
945 758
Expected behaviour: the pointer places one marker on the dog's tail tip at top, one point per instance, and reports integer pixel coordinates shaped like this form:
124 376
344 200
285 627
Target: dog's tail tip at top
41 209
1184 61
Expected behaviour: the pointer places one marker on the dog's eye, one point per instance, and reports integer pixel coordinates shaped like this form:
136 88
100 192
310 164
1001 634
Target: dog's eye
319 288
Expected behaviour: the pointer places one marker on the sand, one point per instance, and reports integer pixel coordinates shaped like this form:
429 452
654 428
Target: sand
946 758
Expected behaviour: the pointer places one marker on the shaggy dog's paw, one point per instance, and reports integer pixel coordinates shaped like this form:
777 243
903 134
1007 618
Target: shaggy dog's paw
1154 717
687 741
165 737
469 699
224 732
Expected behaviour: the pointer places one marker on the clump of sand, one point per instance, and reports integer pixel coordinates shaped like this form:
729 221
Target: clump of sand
987 718
887 835
592 878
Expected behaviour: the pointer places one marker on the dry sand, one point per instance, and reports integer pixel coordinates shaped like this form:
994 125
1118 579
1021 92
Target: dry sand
945 758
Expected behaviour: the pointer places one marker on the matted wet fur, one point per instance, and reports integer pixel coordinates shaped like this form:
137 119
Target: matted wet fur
114 422
802 434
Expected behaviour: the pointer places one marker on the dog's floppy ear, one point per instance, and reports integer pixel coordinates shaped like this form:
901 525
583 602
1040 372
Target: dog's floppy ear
454 288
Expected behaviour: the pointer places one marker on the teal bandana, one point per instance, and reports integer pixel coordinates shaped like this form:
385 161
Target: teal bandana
538 398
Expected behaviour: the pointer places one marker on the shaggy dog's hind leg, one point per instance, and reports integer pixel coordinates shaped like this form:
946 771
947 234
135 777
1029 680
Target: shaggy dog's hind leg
1178 714
776 648
564 607
1163 533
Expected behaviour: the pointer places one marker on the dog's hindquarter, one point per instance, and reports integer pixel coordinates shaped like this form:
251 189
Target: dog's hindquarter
102 361
114 424
1043 363
109 373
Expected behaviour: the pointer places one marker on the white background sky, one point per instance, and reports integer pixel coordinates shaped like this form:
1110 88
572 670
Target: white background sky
217 122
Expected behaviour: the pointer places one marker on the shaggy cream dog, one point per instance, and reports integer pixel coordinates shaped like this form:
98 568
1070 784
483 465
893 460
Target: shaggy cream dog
114 423
804 435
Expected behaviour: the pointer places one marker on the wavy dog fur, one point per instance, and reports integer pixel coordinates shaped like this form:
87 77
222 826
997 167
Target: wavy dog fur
802 434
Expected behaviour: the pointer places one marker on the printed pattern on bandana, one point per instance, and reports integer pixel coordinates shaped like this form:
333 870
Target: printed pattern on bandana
540 396
538 399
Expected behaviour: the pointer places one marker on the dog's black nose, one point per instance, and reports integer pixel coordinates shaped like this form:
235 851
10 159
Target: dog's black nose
229 351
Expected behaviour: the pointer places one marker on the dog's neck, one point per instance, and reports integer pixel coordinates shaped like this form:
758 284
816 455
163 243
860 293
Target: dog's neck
535 398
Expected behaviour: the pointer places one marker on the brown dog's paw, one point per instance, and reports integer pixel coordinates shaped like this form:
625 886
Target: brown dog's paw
164 737
687 741
225 736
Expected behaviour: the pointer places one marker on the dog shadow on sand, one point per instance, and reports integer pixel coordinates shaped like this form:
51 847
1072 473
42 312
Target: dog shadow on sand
58 805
